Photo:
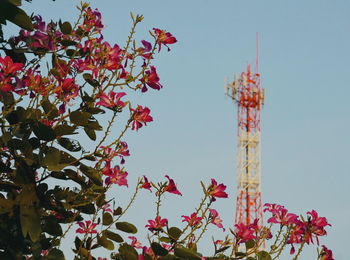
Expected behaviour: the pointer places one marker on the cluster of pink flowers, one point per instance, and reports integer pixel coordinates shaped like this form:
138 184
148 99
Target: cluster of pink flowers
246 232
302 231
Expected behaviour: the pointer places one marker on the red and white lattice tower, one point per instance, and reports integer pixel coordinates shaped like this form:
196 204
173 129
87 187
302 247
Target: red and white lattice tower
246 92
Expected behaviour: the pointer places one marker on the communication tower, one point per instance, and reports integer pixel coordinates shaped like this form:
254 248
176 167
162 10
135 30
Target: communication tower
246 92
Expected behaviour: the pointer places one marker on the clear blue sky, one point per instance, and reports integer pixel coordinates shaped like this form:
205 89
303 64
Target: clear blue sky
304 61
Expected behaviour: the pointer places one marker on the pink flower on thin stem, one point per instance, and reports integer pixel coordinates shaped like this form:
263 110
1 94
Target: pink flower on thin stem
134 242
140 117
171 187
192 220
217 191
280 215
87 227
315 227
244 232
151 79
157 224
112 100
115 175
145 184
215 219
164 38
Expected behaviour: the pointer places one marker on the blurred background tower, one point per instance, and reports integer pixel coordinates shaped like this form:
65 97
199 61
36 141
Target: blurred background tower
245 91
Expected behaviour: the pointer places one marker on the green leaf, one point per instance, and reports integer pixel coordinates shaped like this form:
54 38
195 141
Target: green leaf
113 236
250 258
52 159
55 254
16 116
250 244
165 239
52 227
88 78
15 15
174 233
15 2
94 125
70 52
30 221
128 252
107 219
64 130
117 211
186 253
222 249
44 132
263 255
70 144
6 205
66 27
126 227
92 174
158 249
49 108
90 133
79 117
34 142
87 209
68 43
103 241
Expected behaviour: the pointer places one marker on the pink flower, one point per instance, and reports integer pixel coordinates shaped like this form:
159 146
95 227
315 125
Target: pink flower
134 242
140 116
244 232
122 149
151 79
215 219
315 227
171 187
112 100
86 228
326 254
8 67
164 37
192 220
280 215
67 89
157 223
217 191
92 20
108 153
145 184
145 50
115 175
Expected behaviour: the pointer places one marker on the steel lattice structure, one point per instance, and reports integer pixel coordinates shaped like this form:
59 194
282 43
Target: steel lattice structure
245 91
